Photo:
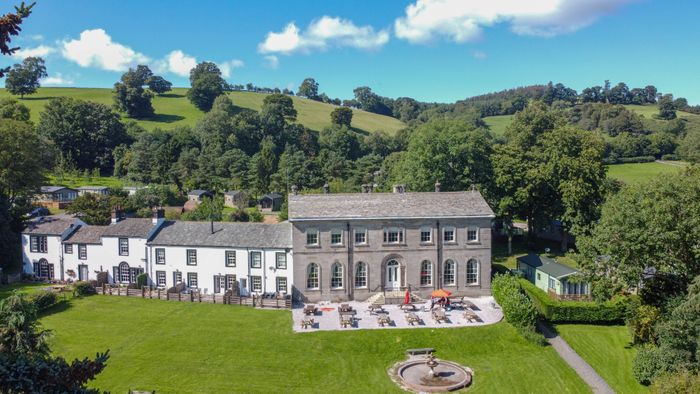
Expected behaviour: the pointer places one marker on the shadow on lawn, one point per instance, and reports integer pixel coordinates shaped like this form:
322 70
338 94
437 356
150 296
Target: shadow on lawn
166 118
171 95
60 306
38 98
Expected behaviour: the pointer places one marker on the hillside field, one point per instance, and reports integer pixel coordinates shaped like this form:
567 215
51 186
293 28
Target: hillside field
632 173
174 109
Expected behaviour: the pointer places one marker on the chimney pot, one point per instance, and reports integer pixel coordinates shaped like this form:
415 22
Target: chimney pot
437 186
326 188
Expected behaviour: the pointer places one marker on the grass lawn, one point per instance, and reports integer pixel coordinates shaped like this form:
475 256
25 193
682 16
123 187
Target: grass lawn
520 248
174 347
26 288
498 124
632 173
174 109
77 181
608 350
652 110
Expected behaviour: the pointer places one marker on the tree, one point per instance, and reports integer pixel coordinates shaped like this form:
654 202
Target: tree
651 227
24 78
159 85
308 89
130 96
85 132
667 110
689 147
206 85
208 210
19 328
371 102
341 116
10 26
92 209
280 103
13 109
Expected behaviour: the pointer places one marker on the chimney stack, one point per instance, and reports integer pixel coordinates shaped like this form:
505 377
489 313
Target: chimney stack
473 188
158 214
437 186
326 188
365 188
399 188
295 190
117 214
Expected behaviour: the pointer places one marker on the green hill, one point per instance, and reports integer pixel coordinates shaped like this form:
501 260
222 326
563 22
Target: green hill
173 109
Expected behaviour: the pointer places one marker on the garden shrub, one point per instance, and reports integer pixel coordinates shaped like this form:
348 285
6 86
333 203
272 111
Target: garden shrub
613 311
641 323
652 362
637 159
83 288
517 307
677 383
141 280
670 156
44 299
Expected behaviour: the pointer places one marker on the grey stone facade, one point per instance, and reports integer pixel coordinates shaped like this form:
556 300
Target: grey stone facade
410 253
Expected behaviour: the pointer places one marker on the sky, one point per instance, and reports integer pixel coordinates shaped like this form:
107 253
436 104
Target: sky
431 50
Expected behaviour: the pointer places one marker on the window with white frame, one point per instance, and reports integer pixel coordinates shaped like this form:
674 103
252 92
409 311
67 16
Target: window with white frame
281 284
177 277
256 284
255 260
449 235
336 237
312 236
160 256
361 275
281 261
160 278
230 282
124 272
336 276
449 273
191 256
426 235
123 246
473 234
312 276
472 272
82 252
68 248
360 236
393 235
192 279
426 273
230 258
552 283
38 243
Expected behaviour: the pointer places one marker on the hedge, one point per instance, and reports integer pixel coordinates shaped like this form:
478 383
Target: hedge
44 299
637 159
83 288
517 307
613 311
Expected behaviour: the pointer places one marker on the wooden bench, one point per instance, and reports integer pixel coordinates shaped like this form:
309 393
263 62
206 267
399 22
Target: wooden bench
310 310
383 319
420 351
412 318
307 322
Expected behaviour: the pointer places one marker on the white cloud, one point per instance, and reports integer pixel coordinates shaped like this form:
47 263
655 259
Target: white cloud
95 48
479 55
462 20
321 34
176 62
36 37
272 61
41 51
228 67
57 80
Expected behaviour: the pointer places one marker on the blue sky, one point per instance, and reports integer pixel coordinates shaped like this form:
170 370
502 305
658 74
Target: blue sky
432 50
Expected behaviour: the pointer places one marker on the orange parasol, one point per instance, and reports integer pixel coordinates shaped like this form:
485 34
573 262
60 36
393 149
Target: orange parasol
440 293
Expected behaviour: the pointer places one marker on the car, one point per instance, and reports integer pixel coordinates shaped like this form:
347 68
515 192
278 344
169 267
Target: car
40 211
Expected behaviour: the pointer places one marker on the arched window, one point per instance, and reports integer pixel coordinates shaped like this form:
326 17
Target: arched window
312 276
124 273
472 272
361 275
426 273
336 276
449 273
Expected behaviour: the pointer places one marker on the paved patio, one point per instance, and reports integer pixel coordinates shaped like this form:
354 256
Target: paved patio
327 317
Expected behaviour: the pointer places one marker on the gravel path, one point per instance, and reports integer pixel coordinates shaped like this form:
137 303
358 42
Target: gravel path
582 368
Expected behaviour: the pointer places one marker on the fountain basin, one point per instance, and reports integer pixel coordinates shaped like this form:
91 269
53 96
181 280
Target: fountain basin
415 375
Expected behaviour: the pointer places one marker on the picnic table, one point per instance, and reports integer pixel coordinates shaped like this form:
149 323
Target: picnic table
408 307
307 322
375 308
469 304
310 310
346 320
344 308
471 316
439 315
383 319
412 318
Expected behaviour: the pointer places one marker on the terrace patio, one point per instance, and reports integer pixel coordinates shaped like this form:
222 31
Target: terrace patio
356 315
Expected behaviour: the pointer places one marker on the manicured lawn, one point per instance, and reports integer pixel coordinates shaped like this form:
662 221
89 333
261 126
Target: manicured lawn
498 124
651 111
632 173
26 288
174 109
174 347
607 349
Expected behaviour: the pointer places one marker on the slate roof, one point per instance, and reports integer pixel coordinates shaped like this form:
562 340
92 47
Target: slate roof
86 235
129 227
53 189
547 265
272 196
233 192
49 225
197 192
250 235
387 205
93 188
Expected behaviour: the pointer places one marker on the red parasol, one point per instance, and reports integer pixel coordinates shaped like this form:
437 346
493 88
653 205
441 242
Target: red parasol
441 293
407 298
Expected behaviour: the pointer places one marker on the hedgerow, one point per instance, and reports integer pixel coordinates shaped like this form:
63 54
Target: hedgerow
517 307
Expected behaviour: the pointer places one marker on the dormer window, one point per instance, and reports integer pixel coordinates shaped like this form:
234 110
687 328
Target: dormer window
312 237
393 235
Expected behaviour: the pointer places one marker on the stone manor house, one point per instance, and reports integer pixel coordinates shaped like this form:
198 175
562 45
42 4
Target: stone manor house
333 247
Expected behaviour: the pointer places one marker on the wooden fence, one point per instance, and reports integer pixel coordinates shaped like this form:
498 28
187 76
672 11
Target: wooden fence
162 294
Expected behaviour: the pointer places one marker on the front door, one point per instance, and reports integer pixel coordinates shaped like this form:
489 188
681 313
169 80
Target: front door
82 272
393 275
